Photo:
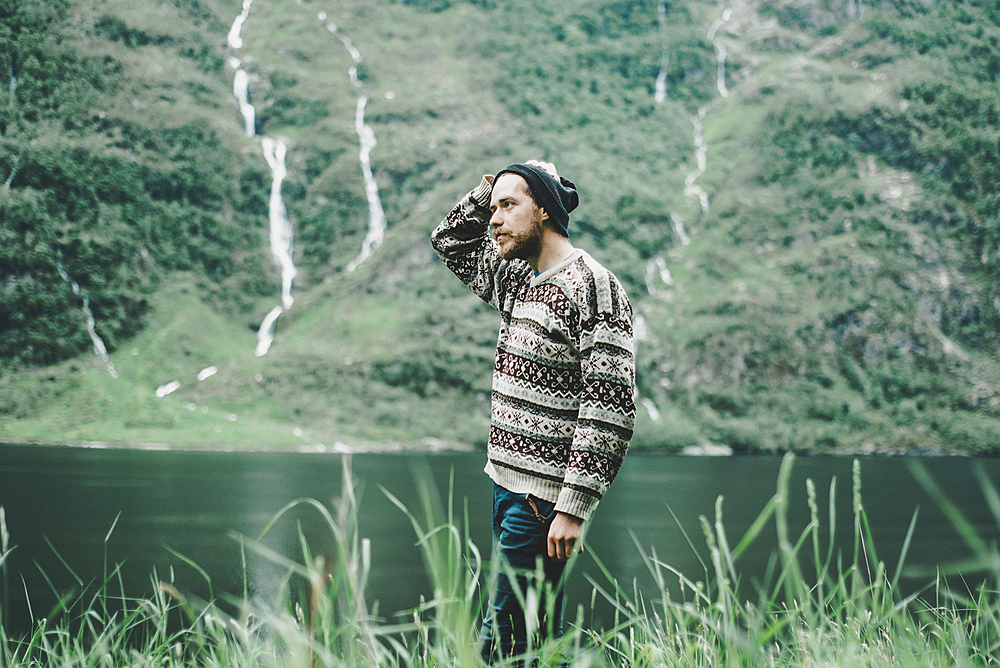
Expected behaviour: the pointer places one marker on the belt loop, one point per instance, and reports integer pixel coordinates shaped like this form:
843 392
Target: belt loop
534 508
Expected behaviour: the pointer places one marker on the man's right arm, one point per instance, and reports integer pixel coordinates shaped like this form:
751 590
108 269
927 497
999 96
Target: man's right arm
463 242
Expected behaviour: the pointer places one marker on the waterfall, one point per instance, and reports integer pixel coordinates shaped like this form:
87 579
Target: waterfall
99 348
265 335
657 268
13 101
660 88
701 153
241 89
678 227
654 412
720 52
234 38
281 237
720 77
13 171
241 81
366 138
691 189
281 233
376 216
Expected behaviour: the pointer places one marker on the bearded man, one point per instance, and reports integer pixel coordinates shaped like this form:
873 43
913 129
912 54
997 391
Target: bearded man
563 403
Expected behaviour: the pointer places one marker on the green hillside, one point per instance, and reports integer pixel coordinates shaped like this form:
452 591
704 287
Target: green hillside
809 234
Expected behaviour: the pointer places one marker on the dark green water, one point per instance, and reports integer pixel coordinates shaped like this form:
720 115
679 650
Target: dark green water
63 502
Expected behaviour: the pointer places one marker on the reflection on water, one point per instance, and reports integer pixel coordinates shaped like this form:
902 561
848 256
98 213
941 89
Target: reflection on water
65 501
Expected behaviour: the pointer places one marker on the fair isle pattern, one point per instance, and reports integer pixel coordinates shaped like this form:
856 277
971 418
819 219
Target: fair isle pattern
564 377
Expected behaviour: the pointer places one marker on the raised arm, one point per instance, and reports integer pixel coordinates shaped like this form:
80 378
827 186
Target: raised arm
463 242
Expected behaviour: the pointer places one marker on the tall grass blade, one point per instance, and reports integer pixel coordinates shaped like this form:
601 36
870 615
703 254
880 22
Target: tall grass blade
65 564
201 571
957 518
687 538
720 534
791 572
905 549
755 528
832 535
4 553
331 523
989 490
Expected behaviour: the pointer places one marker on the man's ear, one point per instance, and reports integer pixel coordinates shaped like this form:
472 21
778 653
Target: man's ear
544 215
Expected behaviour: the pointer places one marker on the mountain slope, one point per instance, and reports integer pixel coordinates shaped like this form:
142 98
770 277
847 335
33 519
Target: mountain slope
808 233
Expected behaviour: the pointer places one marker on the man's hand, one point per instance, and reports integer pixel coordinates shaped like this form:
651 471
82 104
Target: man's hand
547 166
564 533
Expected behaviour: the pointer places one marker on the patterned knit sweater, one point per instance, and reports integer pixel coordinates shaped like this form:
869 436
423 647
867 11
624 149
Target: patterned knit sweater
563 403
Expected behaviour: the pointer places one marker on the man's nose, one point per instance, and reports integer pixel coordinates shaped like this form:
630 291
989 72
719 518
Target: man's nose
495 219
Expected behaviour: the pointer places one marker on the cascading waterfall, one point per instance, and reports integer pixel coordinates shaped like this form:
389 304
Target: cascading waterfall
366 137
700 147
376 216
13 171
13 100
265 335
241 89
657 268
720 52
660 89
99 348
678 226
691 189
281 235
720 77
654 412
241 80
234 38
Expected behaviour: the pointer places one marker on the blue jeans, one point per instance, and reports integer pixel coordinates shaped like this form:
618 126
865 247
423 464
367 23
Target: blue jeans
520 531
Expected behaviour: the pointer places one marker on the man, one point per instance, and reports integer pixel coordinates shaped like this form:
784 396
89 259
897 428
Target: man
563 382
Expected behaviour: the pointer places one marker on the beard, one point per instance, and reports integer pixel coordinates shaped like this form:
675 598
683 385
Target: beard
526 245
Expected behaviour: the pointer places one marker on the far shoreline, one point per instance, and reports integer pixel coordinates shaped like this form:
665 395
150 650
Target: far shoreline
435 446
428 446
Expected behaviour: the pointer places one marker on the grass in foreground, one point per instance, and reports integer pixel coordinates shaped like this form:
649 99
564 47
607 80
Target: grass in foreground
816 608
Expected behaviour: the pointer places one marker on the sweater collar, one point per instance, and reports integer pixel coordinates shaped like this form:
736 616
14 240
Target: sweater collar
552 271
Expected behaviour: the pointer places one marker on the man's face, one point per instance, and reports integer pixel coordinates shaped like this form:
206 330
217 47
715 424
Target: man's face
516 220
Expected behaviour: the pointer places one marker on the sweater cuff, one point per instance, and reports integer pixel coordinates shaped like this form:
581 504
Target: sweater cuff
481 195
576 503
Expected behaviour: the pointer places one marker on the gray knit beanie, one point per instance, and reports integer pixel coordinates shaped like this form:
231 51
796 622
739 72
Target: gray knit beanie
558 198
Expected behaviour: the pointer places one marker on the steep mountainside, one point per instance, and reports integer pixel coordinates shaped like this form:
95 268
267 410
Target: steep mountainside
213 227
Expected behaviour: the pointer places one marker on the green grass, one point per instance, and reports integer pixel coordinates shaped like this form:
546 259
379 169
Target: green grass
311 388
185 337
814 607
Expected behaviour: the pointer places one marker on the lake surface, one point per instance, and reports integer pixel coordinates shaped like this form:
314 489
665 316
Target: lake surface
140 507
